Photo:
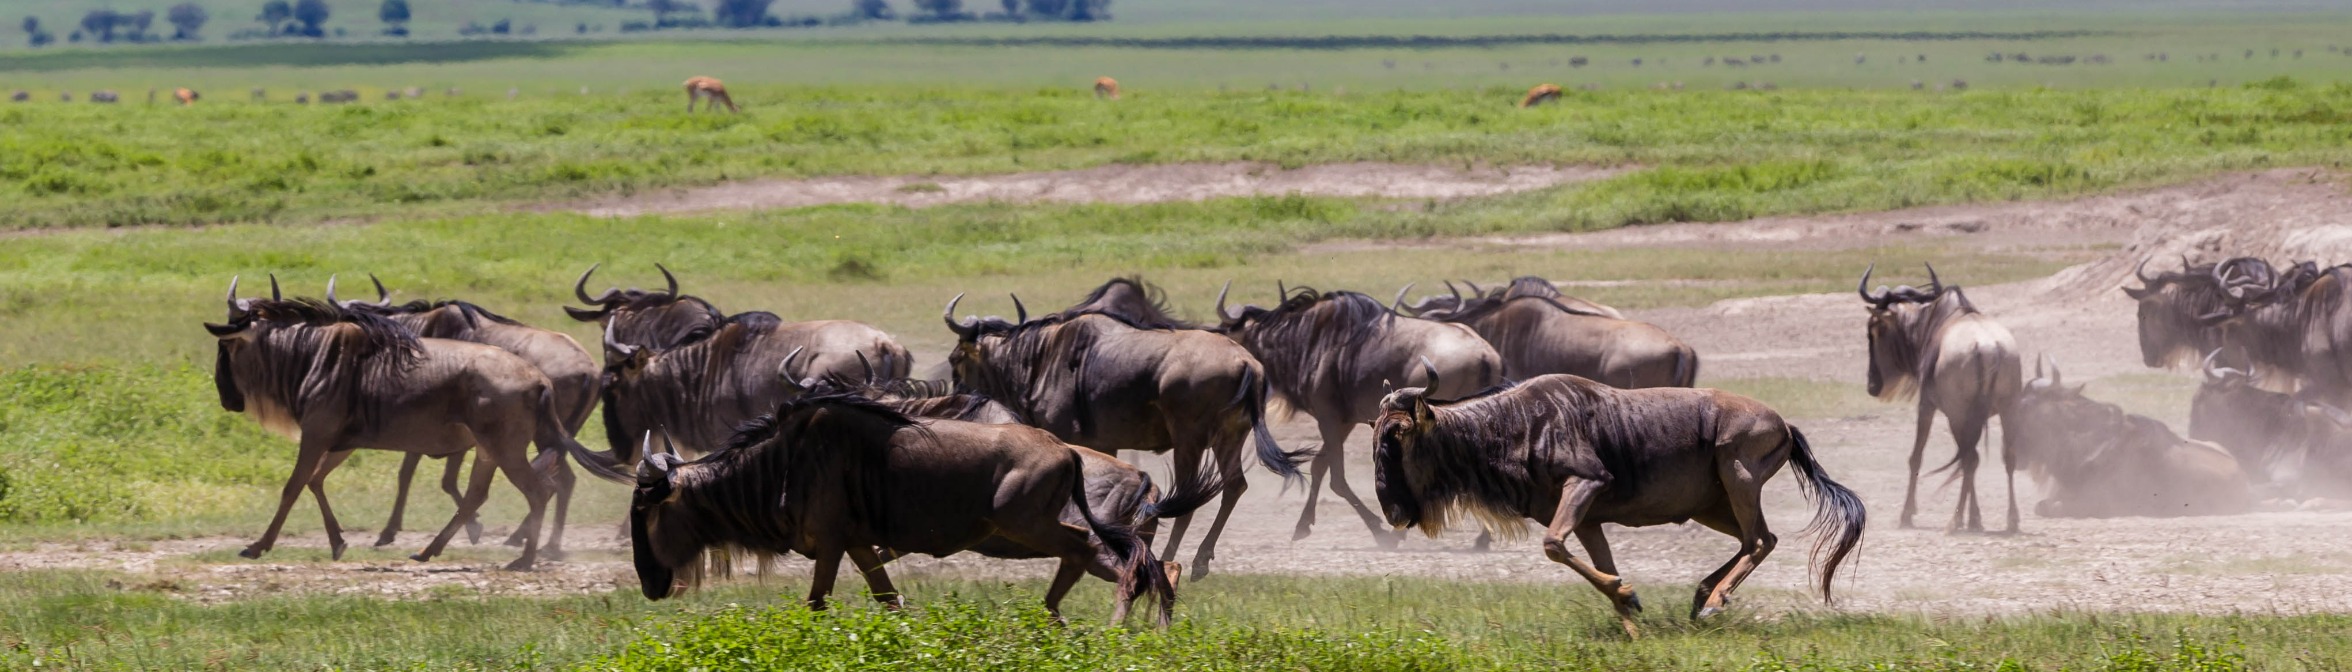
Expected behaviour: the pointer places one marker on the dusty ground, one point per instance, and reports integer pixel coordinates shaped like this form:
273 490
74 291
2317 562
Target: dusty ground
2266 562
1107 184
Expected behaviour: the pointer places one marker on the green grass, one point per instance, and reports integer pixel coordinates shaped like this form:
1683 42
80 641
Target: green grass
101 621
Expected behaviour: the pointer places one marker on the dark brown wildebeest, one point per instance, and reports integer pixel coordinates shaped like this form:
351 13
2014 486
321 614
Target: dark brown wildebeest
1934 344
335 380
2290 447
1099 381
104 96
667 319
2298 322
1576 454
1333 355
836 474
566 365
2170 305
2095 461
1536 332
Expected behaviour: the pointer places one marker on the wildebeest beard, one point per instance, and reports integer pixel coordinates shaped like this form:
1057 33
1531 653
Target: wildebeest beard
306 350
1916 342
745 499
1309 338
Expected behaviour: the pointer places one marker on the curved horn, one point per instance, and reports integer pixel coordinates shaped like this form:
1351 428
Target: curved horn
1281 292
2212 375
784 368
580 289
331 292
2055 377
1475 290
672 446
1399 303
2141 271
383 297
1020 312
1430 369
671 279
624 349
1221 314
948 316
1456 292
1935 285
867 365
274 296
234 307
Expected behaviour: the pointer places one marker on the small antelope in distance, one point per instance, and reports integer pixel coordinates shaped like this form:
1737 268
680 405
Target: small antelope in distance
185 95
1105 87
708 88
1542 93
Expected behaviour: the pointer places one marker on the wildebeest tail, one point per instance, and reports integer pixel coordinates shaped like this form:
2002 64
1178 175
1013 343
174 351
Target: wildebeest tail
1187 498
1255 390
1138 571
552 434
1837 518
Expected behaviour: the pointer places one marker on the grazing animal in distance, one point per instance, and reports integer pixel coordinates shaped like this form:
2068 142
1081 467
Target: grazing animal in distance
1105 87
1933 344
2289 447
107 97
21 95
302 98
707 90
335 379
1576 454
2095 461
567 366
1109 383
259 95
1332 355
185 95
1542 93
833 475
1538 330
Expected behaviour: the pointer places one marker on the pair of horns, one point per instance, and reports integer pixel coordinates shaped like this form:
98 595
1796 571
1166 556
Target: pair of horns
1935 289
239 306
580 288
383 297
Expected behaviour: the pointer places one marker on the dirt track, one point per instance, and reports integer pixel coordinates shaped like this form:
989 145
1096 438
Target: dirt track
2281 561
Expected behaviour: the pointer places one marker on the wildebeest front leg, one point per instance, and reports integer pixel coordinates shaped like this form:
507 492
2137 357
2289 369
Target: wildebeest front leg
828 563
314 450
318 493
449 468
534 486
869 564
1333 455
408 467
1575 498
1927 413
477 489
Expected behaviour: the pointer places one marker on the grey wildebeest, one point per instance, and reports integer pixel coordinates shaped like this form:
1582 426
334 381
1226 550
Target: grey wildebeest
2170 307
567 366
1933 343
334 380
1576 454
1537 330
1436 307
1100 381
2095 461
1333 355
2298 322
666 319
829 475
2289 447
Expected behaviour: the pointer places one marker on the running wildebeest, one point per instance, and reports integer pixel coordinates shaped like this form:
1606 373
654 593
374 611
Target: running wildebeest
1333 355
830 475
2290 447
1537 332
2300 322
2096 461
566 365
1100 381
1934 344
335 380
1576 454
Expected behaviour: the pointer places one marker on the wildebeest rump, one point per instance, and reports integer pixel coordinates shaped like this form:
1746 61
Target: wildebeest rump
2095 461
335 380
568 367
1537 332
1098 381
1577 454
830 475
1333 355
2288 447
1934 344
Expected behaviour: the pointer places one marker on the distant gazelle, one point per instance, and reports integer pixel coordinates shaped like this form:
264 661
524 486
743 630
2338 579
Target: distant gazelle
1542 93
185 95
708 89
1105 87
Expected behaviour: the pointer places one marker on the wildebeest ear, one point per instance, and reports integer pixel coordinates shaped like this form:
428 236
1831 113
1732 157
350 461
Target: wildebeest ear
2137 293
223 330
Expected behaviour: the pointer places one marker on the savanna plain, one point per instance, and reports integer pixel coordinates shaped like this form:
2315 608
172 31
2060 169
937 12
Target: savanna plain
872 175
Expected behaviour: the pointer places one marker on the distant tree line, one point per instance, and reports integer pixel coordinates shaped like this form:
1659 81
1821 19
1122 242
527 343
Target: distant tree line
308 18
107 26
675 14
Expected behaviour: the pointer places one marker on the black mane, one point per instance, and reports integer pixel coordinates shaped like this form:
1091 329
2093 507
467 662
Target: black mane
1311 336
469 309
1150 313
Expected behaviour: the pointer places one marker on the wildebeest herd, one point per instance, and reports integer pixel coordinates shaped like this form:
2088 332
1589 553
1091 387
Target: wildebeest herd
747 436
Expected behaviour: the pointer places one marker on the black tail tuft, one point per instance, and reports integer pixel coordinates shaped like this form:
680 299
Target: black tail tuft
1837 519
553 435
1187 498
1253 398
1138 571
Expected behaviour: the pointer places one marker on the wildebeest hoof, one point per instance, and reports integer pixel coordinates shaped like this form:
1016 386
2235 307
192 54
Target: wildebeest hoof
1706 613
1633 601
515 539
520 565
252 552
1301 533
335 552
420 557
1388 540
386 538
1200 569
473 532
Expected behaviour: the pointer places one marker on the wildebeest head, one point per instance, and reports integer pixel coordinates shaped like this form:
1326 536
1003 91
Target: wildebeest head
2172 308
2232 410
2052 425
969 360
1405 416
629 404
275 343
1894 348
663 319
657 548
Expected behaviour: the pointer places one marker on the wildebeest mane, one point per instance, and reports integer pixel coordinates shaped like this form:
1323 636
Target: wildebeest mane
472 312
1151 312
1478 456
295 332
1921 342
1312 336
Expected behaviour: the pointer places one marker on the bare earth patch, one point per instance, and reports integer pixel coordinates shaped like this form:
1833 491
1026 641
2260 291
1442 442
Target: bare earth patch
1106 184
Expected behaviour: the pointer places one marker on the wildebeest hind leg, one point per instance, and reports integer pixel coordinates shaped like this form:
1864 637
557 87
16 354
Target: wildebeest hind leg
1335 452
318 493
878 583
477 489
1967 431
450 466
828 564
314 450
2009 473
1927 413
1065 577
1186 463
1720 519
1234 486
1744 491
534 485
408 467
1576 496
1306 521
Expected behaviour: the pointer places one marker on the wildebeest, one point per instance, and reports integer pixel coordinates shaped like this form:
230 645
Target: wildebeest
2299 321
1538 330
2292 448
699 89
835 474
566 365
104 96
1440 307
667 319
338 96
1576 454
1105 87
2095 461
1542 93
302 98
335 379
21 95
1933 343
1332 355
2171 305
1105 382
